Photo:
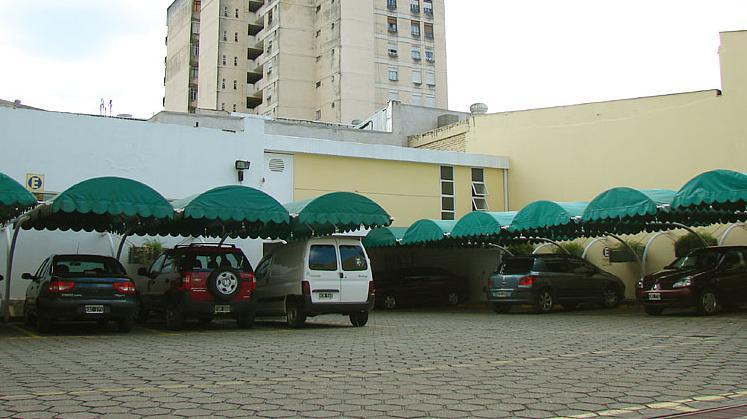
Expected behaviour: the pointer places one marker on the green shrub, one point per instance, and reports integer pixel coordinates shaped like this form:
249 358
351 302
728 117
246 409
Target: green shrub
572 248
521 248
147 253
690 241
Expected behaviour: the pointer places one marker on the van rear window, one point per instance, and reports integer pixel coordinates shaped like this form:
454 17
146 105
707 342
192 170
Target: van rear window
353 258
514 266
323 257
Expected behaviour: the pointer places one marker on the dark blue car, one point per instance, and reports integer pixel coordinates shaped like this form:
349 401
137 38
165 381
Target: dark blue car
80 288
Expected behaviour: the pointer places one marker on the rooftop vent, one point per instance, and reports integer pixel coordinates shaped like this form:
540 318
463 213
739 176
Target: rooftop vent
478 109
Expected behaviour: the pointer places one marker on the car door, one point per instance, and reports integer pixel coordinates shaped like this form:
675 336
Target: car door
323 271
167 277
730 277
356 272
146 286
32 291
584 283
558 278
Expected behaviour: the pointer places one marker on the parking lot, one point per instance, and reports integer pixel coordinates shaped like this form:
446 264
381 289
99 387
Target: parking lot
434 363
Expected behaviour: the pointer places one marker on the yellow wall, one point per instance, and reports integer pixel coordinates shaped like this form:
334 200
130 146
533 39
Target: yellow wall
575 152
408 191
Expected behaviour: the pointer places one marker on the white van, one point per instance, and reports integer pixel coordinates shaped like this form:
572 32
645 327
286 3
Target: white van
313 277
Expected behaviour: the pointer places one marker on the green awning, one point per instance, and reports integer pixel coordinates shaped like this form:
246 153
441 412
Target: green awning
14 198
384 237
625 210
550 220
484 225
233 210
428 231
717 189
110 204
335 212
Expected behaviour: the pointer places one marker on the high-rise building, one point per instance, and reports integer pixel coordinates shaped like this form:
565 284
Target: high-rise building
327 60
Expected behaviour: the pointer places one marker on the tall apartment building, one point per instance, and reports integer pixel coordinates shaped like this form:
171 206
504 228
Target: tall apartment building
327 60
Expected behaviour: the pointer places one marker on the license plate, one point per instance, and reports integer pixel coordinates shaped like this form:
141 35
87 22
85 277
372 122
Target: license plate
325 295
502 294
94 309
654 296
222 309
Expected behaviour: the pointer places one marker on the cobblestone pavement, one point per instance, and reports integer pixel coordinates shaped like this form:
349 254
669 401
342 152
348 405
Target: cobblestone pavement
403 364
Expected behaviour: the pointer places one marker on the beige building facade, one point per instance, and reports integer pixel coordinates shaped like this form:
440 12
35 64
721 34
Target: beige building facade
326 60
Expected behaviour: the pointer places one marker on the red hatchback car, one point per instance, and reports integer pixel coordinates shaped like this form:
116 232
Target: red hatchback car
198 281
707 279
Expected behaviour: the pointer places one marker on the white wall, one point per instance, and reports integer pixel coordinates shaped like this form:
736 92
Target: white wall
175 160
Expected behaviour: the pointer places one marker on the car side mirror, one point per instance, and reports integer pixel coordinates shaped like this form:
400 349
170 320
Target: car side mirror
27 275
1 278
142 271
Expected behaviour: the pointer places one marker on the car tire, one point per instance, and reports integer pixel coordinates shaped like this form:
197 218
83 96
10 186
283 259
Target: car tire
610 298
653 310
359 319
245 320
707 302
125 325
43 323
501 308
224 283
390 302
452 298
543 301
294 314
174 318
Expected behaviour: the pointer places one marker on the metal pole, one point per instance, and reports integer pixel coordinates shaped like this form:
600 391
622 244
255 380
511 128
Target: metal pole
648 246
225 236
502 248
121 245
542 239
702 240
588 246
729 230
111 242
9 268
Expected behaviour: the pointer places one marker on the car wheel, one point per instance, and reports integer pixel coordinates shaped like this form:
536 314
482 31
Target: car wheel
452 298
543 301
610 298
224 283
707 302
501 308
245 320
653 310
390 302
294 314
125 325
359 319
174 318
43 323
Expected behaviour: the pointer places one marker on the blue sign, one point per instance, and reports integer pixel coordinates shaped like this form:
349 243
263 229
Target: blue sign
35 183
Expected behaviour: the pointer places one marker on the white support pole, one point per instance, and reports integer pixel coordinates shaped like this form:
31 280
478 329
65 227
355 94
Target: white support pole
648 247
591 243
111 243
630 249
729 229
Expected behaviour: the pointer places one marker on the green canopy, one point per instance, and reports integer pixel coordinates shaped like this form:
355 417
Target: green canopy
14 198
550 220
233 210
718 189
625 210
384 237
428 231
482 225
102 204
335 212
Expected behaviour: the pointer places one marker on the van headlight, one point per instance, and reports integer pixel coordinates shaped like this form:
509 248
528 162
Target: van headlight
682 283
639 284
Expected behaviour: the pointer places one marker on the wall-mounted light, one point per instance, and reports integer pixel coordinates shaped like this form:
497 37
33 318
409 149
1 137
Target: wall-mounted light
240 166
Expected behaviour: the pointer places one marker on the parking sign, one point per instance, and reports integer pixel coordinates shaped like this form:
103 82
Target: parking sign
35 182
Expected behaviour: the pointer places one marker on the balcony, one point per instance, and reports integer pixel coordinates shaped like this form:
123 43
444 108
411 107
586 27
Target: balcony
256 26
254 74
254 51
255 5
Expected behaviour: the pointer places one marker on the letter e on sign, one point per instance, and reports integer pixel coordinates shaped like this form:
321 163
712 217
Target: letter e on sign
606 252
35 182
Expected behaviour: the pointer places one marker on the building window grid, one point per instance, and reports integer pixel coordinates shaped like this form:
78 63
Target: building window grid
415 53
429 56
391 4
447 193
428 7
417 77
428 30
392 24
415 28
392 49
415 6
479 190
225 36
393 74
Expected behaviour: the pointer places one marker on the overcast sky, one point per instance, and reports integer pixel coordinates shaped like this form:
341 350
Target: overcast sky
510 54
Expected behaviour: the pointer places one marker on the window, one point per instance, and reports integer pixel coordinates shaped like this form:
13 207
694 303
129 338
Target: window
193 94
430 78
479 190
269 67
428 30
225 35
223 83
235 85
269 17
235 37
415 28
323 258
195 28
393 74
235 61
193 72
429 55
428 7
417 77
391 23
224 60
393 95
447 193
236 14
195 50
353 258
430 101
318 114
391 4
225 11
268 93
319 32
733 262
318 8
392 49
417 99
269 46
415 6
415 53
318 84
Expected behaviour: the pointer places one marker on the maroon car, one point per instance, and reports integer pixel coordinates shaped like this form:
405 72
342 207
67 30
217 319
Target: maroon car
707 279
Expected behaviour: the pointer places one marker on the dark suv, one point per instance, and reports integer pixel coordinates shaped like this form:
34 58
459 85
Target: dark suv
545 279
707 279
198 281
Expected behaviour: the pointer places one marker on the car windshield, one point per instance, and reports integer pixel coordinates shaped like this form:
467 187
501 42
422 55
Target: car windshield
214 260
513 266
82 265
699 260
